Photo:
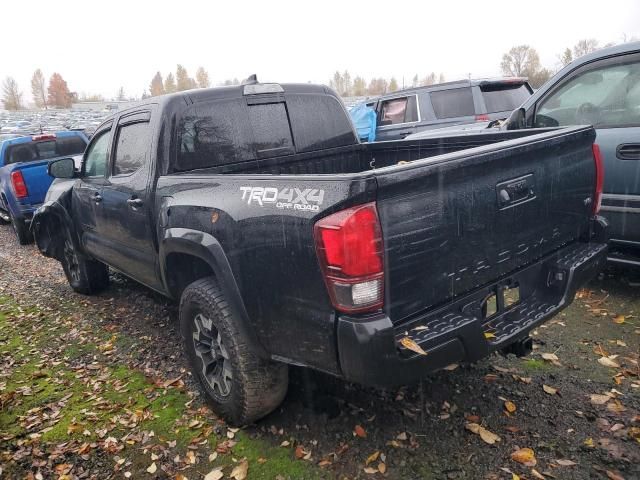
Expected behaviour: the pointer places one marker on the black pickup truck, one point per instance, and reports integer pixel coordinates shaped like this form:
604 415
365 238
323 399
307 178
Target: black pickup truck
287 241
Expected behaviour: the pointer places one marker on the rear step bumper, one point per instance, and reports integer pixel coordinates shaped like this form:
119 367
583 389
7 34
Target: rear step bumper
371 353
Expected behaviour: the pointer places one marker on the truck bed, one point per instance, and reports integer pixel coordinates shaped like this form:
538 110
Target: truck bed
445 229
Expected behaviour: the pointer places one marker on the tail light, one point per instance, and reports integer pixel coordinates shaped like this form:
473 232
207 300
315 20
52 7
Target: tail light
349 247
597 195
44 136
482 118
19 187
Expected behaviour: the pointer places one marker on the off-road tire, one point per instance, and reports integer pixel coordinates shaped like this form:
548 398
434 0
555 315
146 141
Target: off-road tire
21 230
85 275
257 385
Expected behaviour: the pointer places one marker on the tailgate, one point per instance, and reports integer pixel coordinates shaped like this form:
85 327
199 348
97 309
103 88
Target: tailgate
456 222
37 180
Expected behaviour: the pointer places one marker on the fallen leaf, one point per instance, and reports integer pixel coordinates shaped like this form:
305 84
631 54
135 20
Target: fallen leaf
614 475
409 344
619 319
489 335
300 452
370 470
537 474
597 399
510 406
608 362
215 474
239 472
551 357
451 367
512 429
127 474
566 463
382 467
550 390
372 458
285 443
616 407
588 442
485 434
213 456
402 436
525 456
180 476
152 468
360 432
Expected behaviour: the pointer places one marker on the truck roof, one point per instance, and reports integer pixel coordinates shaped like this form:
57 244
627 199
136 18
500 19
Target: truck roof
228 92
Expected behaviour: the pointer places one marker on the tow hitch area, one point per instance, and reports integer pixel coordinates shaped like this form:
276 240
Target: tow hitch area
521 348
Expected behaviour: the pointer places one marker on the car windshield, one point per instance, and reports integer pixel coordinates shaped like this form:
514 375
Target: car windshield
42 150
504 97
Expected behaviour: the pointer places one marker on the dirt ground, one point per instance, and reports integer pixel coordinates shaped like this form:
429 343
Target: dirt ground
97 387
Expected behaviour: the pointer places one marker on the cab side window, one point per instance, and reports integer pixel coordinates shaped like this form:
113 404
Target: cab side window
603 97
96 159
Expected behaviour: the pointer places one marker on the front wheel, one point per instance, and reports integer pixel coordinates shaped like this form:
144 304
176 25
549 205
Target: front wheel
240 386
85 275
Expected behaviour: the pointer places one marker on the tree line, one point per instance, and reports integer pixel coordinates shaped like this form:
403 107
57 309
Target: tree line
519 61
55 94
347 86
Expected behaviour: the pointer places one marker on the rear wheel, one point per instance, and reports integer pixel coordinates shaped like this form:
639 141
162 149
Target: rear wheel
85 275
21 230
240 386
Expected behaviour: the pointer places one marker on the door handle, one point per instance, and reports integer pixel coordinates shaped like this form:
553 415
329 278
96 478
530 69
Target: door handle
135 202
628 151
97 197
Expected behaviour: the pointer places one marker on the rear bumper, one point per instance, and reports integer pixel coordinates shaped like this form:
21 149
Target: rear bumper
370 351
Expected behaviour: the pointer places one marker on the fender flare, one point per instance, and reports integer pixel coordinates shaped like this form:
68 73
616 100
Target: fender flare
207 248
43 216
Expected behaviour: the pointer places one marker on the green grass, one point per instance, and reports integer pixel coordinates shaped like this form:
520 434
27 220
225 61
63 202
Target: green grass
535 364
44 356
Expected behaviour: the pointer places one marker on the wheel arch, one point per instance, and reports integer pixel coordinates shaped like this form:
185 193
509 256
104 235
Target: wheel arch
187 255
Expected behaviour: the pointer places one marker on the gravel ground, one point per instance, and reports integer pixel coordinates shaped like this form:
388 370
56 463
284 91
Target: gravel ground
460 425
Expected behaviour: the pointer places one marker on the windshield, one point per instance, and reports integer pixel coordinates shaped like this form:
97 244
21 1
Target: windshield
34 151
504 98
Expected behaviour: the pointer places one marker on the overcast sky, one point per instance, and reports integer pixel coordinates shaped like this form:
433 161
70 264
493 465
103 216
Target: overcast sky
98 47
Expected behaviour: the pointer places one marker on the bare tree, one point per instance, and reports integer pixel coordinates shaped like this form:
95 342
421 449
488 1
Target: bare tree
524 61
565 57
359 86
38 89
11 95
393 85
202 78
585 46
170 83
121 96
156 88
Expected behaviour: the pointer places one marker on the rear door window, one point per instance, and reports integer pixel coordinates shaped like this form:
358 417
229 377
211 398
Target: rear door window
132 146
454 102
502 97
398 110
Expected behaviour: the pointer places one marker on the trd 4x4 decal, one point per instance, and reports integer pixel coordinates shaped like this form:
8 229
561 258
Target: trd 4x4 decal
285 198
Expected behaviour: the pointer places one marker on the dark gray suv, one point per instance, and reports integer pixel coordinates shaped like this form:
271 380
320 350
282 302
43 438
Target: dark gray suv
466 101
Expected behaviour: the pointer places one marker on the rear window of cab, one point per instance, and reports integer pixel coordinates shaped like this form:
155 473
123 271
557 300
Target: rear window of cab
45 149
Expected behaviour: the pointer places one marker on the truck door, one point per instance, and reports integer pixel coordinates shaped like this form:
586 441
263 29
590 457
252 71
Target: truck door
606 94
87 193
126 225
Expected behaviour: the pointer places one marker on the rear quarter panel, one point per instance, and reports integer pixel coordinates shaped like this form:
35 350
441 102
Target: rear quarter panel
269 244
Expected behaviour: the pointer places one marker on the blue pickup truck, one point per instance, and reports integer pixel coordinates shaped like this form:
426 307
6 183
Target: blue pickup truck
23 174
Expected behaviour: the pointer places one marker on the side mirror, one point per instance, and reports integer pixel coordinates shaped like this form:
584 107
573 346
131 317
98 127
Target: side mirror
516 120
62 168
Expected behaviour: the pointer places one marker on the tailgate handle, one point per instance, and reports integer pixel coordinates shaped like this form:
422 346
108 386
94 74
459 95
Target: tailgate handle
628 151
515 191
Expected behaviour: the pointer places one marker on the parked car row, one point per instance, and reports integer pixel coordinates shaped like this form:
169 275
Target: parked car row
288 241
53 120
